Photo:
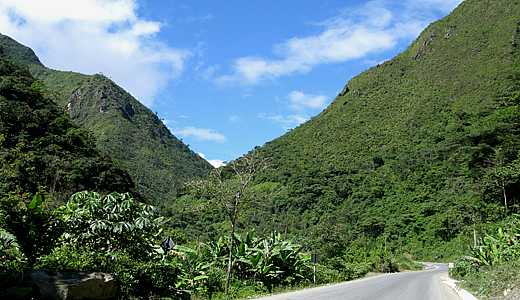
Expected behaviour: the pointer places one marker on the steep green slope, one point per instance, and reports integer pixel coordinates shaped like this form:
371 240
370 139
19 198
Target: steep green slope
409 150
414 153
125 129
41 148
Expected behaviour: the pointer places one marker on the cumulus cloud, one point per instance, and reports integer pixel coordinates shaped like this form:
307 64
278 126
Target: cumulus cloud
96 36
200 134
356 32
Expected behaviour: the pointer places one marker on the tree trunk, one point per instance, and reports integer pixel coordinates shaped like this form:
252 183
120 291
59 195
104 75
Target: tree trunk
230 260
504 191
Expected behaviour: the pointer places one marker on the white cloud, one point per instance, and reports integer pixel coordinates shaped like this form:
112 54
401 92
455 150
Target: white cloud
92 36
214 162
354 33
288 122
167 121
199 18
301 101
235 119
200 134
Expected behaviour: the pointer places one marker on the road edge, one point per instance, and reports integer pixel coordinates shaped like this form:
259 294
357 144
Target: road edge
463 294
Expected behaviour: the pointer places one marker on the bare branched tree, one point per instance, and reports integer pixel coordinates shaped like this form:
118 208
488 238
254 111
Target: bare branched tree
230 188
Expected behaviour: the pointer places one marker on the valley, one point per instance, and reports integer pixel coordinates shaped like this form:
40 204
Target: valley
417 159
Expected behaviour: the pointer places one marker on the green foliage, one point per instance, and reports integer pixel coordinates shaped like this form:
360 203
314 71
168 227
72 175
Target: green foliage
142 278
495 249
10 259
115 234
114 222
490 268
71 257
34 229
493 281
267 262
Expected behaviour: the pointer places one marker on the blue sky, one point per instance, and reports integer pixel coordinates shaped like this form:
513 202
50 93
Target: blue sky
225 76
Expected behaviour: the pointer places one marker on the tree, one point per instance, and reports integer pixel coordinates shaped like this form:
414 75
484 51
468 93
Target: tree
230 188
503 174
114 222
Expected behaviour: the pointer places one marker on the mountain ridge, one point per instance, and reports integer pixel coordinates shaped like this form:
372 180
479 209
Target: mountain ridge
42 151
410 153
125 128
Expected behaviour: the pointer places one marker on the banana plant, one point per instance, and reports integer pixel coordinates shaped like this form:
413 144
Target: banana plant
193 270
270 260
493 249
216 250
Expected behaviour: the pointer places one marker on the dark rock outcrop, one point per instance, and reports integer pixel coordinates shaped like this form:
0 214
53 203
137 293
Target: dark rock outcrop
61 285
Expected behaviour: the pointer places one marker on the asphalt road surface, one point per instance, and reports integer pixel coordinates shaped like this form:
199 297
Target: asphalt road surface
420 285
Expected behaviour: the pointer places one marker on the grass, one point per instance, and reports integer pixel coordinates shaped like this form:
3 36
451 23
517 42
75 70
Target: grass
493 282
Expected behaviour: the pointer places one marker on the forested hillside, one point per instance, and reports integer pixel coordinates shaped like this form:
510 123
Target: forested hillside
42 150
128 131
415 155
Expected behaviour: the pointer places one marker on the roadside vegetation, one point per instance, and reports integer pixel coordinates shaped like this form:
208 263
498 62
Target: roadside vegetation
118 235
491 268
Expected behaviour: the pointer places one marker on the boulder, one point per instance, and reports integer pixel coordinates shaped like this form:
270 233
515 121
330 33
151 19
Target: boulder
64 285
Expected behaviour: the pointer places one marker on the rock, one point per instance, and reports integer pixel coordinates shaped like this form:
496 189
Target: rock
344 91
73 285
506 292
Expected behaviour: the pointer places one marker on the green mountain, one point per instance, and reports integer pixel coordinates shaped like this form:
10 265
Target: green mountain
41 148
415 154
128 131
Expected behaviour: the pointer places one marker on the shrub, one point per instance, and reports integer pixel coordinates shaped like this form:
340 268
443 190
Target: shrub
492 281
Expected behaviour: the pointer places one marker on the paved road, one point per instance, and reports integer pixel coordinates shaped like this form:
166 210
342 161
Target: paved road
420 285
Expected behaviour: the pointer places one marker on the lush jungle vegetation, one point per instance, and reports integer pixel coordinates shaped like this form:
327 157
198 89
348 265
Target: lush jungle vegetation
490 269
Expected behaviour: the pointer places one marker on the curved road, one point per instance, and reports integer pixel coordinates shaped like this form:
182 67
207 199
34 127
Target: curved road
421 285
